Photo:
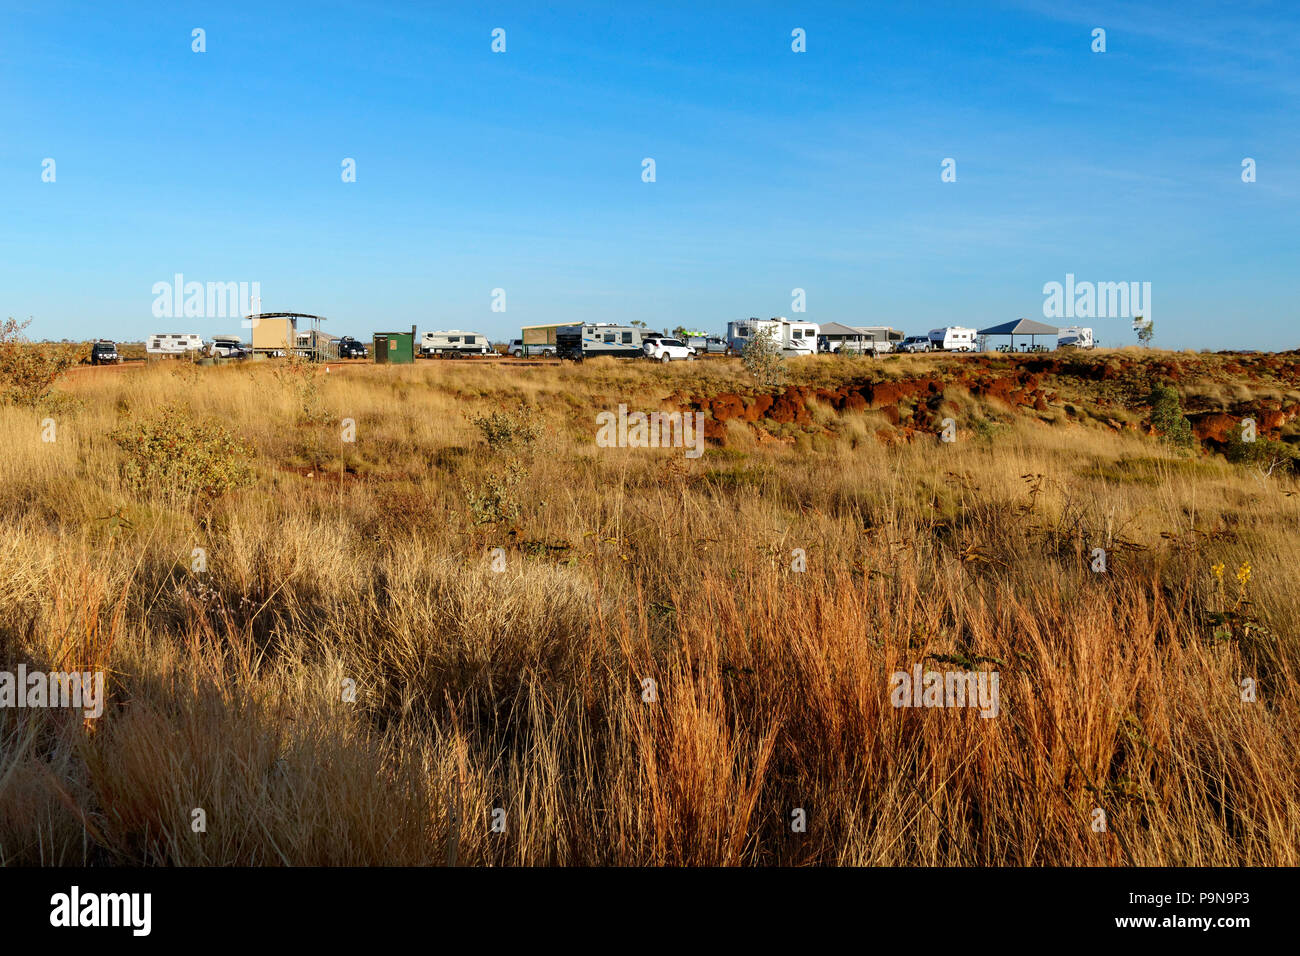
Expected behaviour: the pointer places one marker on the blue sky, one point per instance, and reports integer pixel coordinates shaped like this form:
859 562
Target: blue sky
775 170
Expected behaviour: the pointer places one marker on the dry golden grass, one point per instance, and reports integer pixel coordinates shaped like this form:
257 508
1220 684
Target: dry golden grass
523 689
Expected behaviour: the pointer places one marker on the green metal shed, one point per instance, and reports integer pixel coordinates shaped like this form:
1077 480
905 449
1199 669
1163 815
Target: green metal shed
395 348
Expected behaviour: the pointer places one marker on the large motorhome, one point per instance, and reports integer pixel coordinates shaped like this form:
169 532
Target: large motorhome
587 341
1077 336
953 338
454 343
794 338
173 343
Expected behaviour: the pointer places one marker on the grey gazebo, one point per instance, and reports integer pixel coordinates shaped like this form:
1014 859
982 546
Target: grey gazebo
1021 327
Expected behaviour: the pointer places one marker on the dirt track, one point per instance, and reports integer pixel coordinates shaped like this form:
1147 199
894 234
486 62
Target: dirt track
79 371
82 371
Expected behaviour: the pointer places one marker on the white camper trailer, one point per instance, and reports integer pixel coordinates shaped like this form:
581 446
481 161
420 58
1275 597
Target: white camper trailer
578 342
454 343
794 338
174 343
953 338
1076 336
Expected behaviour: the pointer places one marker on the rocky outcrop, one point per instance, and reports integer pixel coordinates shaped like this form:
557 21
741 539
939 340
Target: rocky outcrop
1095 389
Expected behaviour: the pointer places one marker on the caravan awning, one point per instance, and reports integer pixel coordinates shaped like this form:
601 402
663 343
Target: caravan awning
836 329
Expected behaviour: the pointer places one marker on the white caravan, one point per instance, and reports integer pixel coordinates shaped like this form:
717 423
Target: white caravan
953 338
1075 335
454 342
578 342
174 343
794 338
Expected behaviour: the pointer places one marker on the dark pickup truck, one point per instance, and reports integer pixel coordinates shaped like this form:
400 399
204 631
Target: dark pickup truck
351 348
103 353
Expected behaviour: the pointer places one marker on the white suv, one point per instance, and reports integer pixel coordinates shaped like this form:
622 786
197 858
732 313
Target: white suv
665 350
225 348
914 343
519 350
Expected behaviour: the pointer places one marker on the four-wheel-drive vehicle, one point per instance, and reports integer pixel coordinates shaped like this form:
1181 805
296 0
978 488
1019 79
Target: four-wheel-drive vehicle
666 350
350 348
708 344
103 352
519 350
914 343
228 346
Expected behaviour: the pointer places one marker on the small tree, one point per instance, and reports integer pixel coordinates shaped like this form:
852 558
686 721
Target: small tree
762 358
303 378
1146 330
1167 417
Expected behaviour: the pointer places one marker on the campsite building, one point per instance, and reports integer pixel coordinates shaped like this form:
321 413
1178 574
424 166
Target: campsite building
394 348
276 333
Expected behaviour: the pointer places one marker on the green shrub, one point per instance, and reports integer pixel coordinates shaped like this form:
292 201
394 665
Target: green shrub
303 378
985 430
496 499
511 434
172 454
28 370
509 431
1263 453
1167 416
